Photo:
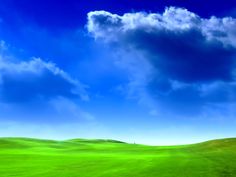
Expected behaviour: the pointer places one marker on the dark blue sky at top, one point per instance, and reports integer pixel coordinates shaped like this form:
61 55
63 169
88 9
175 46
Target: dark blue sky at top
42 19
56 74
66 14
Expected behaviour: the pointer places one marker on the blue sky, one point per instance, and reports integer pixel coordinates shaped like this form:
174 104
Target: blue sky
151 72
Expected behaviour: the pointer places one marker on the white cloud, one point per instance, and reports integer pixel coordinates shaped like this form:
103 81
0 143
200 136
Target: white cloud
34 78
38 91
173 58
112 27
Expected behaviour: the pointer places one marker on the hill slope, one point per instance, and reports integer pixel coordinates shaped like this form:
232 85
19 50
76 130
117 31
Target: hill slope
24 157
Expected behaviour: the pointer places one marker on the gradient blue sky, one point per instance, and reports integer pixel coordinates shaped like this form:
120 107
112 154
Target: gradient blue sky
153 72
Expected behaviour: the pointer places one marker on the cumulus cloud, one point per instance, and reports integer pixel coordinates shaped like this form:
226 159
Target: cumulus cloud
185 54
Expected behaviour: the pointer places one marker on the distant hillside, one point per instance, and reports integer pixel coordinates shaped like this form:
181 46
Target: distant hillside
27 157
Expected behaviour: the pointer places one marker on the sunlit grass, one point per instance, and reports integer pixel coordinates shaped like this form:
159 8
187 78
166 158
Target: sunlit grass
99 158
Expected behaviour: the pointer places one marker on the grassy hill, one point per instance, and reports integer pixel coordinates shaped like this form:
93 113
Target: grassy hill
24 157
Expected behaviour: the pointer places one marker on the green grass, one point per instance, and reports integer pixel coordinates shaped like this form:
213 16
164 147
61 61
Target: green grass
24 157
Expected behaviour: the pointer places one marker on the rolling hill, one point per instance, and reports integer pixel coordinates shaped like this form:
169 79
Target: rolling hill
25 157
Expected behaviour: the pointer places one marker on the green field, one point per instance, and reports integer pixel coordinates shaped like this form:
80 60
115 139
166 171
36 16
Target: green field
24 157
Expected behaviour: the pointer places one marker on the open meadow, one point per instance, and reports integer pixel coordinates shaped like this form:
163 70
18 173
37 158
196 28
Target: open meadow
24 157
